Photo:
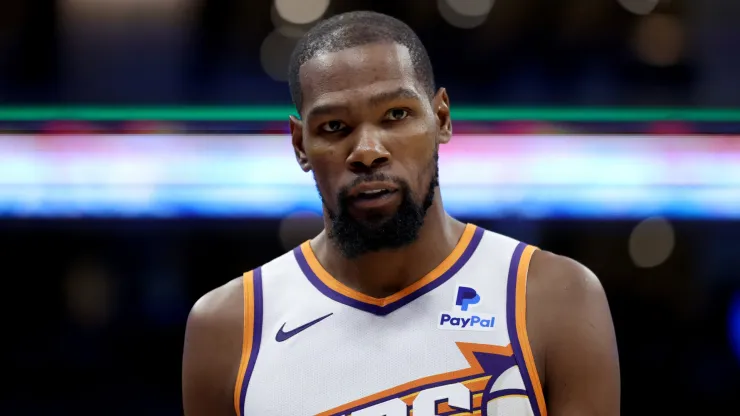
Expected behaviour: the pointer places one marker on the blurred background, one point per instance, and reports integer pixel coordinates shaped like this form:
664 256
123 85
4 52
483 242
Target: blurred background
143 162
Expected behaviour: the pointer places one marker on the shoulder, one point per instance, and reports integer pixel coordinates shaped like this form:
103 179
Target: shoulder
572 335
562 296
221 307
560 281
556 285
212 350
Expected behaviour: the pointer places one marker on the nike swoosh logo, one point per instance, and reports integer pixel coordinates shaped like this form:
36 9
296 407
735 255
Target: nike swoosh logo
284 336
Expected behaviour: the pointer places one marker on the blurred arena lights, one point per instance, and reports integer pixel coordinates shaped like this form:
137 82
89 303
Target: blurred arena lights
652 242
301 12
152 127
89 290
660 40
639 6
485 176
275 54
734 325
471 7
286 28
465 14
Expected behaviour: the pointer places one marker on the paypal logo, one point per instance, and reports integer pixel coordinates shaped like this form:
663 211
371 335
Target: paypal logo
463 319
466 296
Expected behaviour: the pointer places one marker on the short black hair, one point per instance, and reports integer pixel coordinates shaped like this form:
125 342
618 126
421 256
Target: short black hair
352 29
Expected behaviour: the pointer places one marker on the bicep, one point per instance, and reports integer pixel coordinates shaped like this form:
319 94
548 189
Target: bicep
582 363
581 360
210 352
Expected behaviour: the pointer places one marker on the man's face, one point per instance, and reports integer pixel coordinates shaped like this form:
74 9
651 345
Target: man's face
370 134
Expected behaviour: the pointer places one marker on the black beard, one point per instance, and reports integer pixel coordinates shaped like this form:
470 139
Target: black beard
355 238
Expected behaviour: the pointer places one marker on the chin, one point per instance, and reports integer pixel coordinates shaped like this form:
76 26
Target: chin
375 220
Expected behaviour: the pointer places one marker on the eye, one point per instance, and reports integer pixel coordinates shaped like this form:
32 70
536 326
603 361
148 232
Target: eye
396 114
333 126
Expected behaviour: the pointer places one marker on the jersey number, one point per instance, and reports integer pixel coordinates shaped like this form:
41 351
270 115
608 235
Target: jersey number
425 404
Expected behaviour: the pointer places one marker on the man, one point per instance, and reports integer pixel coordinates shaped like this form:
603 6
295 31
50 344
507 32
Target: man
395 307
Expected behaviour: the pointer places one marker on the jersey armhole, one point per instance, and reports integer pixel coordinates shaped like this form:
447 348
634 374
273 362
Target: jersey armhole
516 311
251 335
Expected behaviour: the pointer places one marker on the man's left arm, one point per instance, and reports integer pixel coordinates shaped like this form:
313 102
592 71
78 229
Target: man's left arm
572 336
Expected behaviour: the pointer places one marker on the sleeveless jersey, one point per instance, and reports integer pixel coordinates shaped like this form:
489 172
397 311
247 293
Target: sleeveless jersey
453 343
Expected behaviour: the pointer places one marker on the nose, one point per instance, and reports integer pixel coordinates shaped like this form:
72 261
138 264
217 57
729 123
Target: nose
368 154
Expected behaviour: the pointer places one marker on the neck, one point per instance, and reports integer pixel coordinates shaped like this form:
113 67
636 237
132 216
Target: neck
383 273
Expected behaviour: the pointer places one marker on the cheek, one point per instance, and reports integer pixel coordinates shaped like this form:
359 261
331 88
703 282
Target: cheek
421 137
421 130
328 166
415 147
325 160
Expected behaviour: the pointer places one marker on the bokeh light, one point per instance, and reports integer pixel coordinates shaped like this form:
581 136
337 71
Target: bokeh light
651 242
660 40
89 293
639 6
275 54
301 12
286 28
465 14
471 7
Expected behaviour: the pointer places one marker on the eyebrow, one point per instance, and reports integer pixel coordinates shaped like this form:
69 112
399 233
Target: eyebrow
374 100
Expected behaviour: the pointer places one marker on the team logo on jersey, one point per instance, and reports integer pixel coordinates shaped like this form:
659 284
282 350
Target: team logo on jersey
466 297
463 319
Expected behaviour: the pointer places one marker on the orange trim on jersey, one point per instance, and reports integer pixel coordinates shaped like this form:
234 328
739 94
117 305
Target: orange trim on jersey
248 329
521 325
474 413
438 271
468 350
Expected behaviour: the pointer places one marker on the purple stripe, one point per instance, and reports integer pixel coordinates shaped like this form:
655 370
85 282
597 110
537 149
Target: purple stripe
256 335
511 323
507 392
484 401
495 395
385 310
455 410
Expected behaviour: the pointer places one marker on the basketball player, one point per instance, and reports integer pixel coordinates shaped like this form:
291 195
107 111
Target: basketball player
396 308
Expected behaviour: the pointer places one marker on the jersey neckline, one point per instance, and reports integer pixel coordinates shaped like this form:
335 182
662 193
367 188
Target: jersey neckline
334 289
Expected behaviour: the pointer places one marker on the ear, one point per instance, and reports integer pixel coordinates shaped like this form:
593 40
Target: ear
441 107
296 133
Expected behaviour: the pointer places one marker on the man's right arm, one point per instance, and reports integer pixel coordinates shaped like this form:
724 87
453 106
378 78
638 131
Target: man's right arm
213 344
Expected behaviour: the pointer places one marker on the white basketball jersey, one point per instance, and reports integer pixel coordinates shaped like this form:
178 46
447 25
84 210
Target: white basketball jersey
453 343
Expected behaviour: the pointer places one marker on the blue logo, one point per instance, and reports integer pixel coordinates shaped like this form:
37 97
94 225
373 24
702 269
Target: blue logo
463 319
466 296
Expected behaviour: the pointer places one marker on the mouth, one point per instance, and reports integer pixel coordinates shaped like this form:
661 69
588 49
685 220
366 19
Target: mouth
373 195
370 190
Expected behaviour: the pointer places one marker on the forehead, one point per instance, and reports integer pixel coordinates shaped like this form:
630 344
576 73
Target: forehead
354 73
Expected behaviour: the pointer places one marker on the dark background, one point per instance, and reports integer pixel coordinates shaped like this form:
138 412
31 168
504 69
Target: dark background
95 309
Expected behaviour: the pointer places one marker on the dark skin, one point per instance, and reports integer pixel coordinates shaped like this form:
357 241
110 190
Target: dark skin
364 111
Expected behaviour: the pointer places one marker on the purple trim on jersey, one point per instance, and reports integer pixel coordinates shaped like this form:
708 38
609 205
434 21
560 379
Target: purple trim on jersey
385 310
495 372
455 410
497 394
493 365
511 324
508 392
256 335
